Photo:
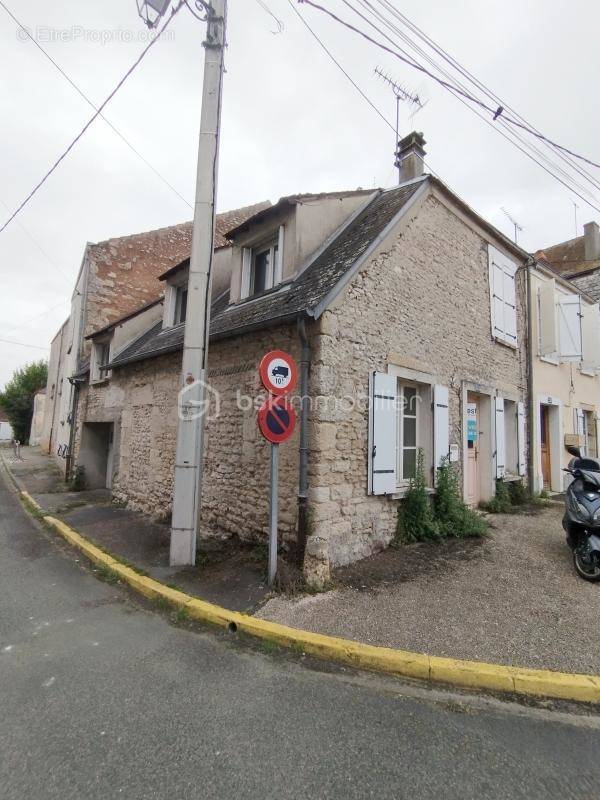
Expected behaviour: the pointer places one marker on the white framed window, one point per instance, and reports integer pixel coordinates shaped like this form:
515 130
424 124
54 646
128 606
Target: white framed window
503 302
100 357
408 414
569 327
262 265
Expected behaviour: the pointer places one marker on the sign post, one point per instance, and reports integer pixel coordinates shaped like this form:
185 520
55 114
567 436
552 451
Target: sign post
273 512
276 422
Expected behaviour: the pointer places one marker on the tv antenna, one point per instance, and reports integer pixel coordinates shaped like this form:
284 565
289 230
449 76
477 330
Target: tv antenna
575 207
405 96
514 222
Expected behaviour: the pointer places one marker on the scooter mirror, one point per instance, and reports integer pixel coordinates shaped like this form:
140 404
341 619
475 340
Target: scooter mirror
574 451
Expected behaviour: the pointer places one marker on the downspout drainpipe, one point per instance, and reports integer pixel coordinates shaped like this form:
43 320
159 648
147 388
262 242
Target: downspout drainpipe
530 442
305 357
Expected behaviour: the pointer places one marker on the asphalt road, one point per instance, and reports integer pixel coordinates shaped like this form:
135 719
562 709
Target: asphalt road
101 698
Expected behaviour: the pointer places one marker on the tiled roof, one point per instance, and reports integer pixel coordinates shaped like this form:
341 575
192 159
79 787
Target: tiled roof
568 258
303 294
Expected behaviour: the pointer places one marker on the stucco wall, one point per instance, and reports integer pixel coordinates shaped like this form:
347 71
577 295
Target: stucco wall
422 302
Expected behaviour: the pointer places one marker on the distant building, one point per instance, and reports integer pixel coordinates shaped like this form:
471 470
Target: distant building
6 431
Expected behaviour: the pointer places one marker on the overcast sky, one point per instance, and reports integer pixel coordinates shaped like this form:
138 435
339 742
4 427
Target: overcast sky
291 122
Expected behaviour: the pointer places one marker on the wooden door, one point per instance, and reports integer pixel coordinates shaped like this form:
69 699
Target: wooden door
473 478
545 445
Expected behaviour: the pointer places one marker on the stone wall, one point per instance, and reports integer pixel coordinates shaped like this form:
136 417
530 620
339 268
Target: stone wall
423 301
141 399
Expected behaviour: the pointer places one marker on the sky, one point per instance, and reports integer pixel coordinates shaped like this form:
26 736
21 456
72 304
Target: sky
292 122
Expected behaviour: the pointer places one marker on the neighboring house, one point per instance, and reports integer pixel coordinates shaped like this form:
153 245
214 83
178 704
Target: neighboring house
565 352
578 260
116 277
411 310
6 431
37 420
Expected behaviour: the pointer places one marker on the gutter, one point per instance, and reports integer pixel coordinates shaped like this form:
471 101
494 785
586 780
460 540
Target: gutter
305 358
530 443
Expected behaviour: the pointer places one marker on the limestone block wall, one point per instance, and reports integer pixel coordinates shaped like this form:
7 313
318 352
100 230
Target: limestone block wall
423 301
141 399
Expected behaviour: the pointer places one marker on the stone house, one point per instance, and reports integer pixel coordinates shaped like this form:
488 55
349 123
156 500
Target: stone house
408 309
116 277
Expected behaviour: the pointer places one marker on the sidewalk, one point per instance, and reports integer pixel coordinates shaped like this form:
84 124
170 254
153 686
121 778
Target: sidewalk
227 573
512 598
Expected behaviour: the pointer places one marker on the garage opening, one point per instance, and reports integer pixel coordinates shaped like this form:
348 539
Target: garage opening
96 454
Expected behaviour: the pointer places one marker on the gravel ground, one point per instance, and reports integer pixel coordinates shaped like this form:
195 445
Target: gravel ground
513 598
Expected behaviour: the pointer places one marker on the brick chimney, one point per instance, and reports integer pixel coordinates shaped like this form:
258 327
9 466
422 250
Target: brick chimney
591 238
410 156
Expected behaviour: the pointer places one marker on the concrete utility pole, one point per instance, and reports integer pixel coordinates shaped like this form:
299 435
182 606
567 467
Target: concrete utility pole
187 490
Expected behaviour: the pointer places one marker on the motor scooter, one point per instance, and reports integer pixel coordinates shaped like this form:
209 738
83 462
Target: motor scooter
581 520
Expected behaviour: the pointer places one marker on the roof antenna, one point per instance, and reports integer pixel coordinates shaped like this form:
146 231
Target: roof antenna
405 96
514 222
575 207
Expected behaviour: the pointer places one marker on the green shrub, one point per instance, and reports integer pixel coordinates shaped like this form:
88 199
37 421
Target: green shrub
500 503
519 495
452 516
416 522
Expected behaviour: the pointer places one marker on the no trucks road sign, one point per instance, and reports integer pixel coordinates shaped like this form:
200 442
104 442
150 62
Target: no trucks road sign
278 372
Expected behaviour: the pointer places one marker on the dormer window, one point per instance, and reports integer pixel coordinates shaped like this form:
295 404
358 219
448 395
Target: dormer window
262 267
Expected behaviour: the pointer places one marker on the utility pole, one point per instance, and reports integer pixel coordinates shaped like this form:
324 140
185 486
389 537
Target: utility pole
187 490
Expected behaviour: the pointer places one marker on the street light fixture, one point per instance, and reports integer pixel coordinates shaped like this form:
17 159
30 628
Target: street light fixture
151 11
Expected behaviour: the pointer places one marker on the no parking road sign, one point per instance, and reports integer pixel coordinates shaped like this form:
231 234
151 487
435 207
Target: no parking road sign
278 372
276 419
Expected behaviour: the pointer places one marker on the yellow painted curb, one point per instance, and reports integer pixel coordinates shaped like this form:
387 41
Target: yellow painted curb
467 674
31 501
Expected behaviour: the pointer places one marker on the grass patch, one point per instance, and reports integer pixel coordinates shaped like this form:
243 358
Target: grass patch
161 603
106 574
181 616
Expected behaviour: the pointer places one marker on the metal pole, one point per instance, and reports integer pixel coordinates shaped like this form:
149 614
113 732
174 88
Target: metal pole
187 490
274 490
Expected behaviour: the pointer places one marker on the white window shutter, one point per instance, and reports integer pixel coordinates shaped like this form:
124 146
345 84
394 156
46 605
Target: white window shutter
246 269
547 318
578 422
383 433
496 294
590 344
597 421
521 443
500 438
569 327
510 303
441 425
502 296
278 274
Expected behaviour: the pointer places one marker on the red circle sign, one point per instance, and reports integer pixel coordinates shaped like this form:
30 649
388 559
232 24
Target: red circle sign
278 372
276 419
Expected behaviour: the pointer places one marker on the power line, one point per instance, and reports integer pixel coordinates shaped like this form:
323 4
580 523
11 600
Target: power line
495 111
24 344
469 75
98 112
82 94
518 141
348 76
37 316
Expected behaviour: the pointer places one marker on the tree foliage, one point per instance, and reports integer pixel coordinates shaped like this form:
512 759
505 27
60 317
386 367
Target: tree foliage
18 394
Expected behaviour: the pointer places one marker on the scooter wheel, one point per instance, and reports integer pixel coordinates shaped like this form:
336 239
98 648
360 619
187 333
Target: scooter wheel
588 570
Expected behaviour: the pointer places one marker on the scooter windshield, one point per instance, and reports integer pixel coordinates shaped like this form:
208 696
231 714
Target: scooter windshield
590 477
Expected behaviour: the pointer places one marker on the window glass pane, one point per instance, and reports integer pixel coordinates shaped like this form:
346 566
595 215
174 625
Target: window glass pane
260 271
409 464
183 295
410 400
410 432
